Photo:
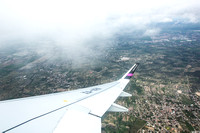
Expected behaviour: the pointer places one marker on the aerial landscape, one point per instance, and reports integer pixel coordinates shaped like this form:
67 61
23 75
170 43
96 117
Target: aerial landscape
165 88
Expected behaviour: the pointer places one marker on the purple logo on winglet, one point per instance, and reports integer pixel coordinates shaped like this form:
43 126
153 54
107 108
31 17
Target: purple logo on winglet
130 74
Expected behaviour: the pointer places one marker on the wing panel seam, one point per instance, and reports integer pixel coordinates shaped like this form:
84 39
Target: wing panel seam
60 108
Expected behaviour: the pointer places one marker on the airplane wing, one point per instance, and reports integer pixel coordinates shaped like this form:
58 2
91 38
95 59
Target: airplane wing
65 112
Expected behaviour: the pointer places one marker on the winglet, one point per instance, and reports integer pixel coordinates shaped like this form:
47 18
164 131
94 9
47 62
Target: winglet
130 73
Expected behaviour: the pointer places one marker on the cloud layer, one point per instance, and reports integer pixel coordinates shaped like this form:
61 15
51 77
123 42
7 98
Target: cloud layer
85 18
80 25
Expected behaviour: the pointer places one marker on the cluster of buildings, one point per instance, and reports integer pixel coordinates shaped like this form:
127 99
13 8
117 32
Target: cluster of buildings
168 114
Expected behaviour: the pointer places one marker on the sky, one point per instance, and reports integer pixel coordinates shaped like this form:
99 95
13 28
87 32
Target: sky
73 23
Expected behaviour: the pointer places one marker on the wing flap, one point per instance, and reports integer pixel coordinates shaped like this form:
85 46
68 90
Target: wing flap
78 122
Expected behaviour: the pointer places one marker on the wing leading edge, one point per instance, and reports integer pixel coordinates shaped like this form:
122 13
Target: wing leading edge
73 111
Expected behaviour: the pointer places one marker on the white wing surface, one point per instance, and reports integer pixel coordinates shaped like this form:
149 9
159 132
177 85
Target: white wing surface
65 112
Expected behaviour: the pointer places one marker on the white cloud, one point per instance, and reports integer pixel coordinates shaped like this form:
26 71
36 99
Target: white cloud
151 32
166 20
76 21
